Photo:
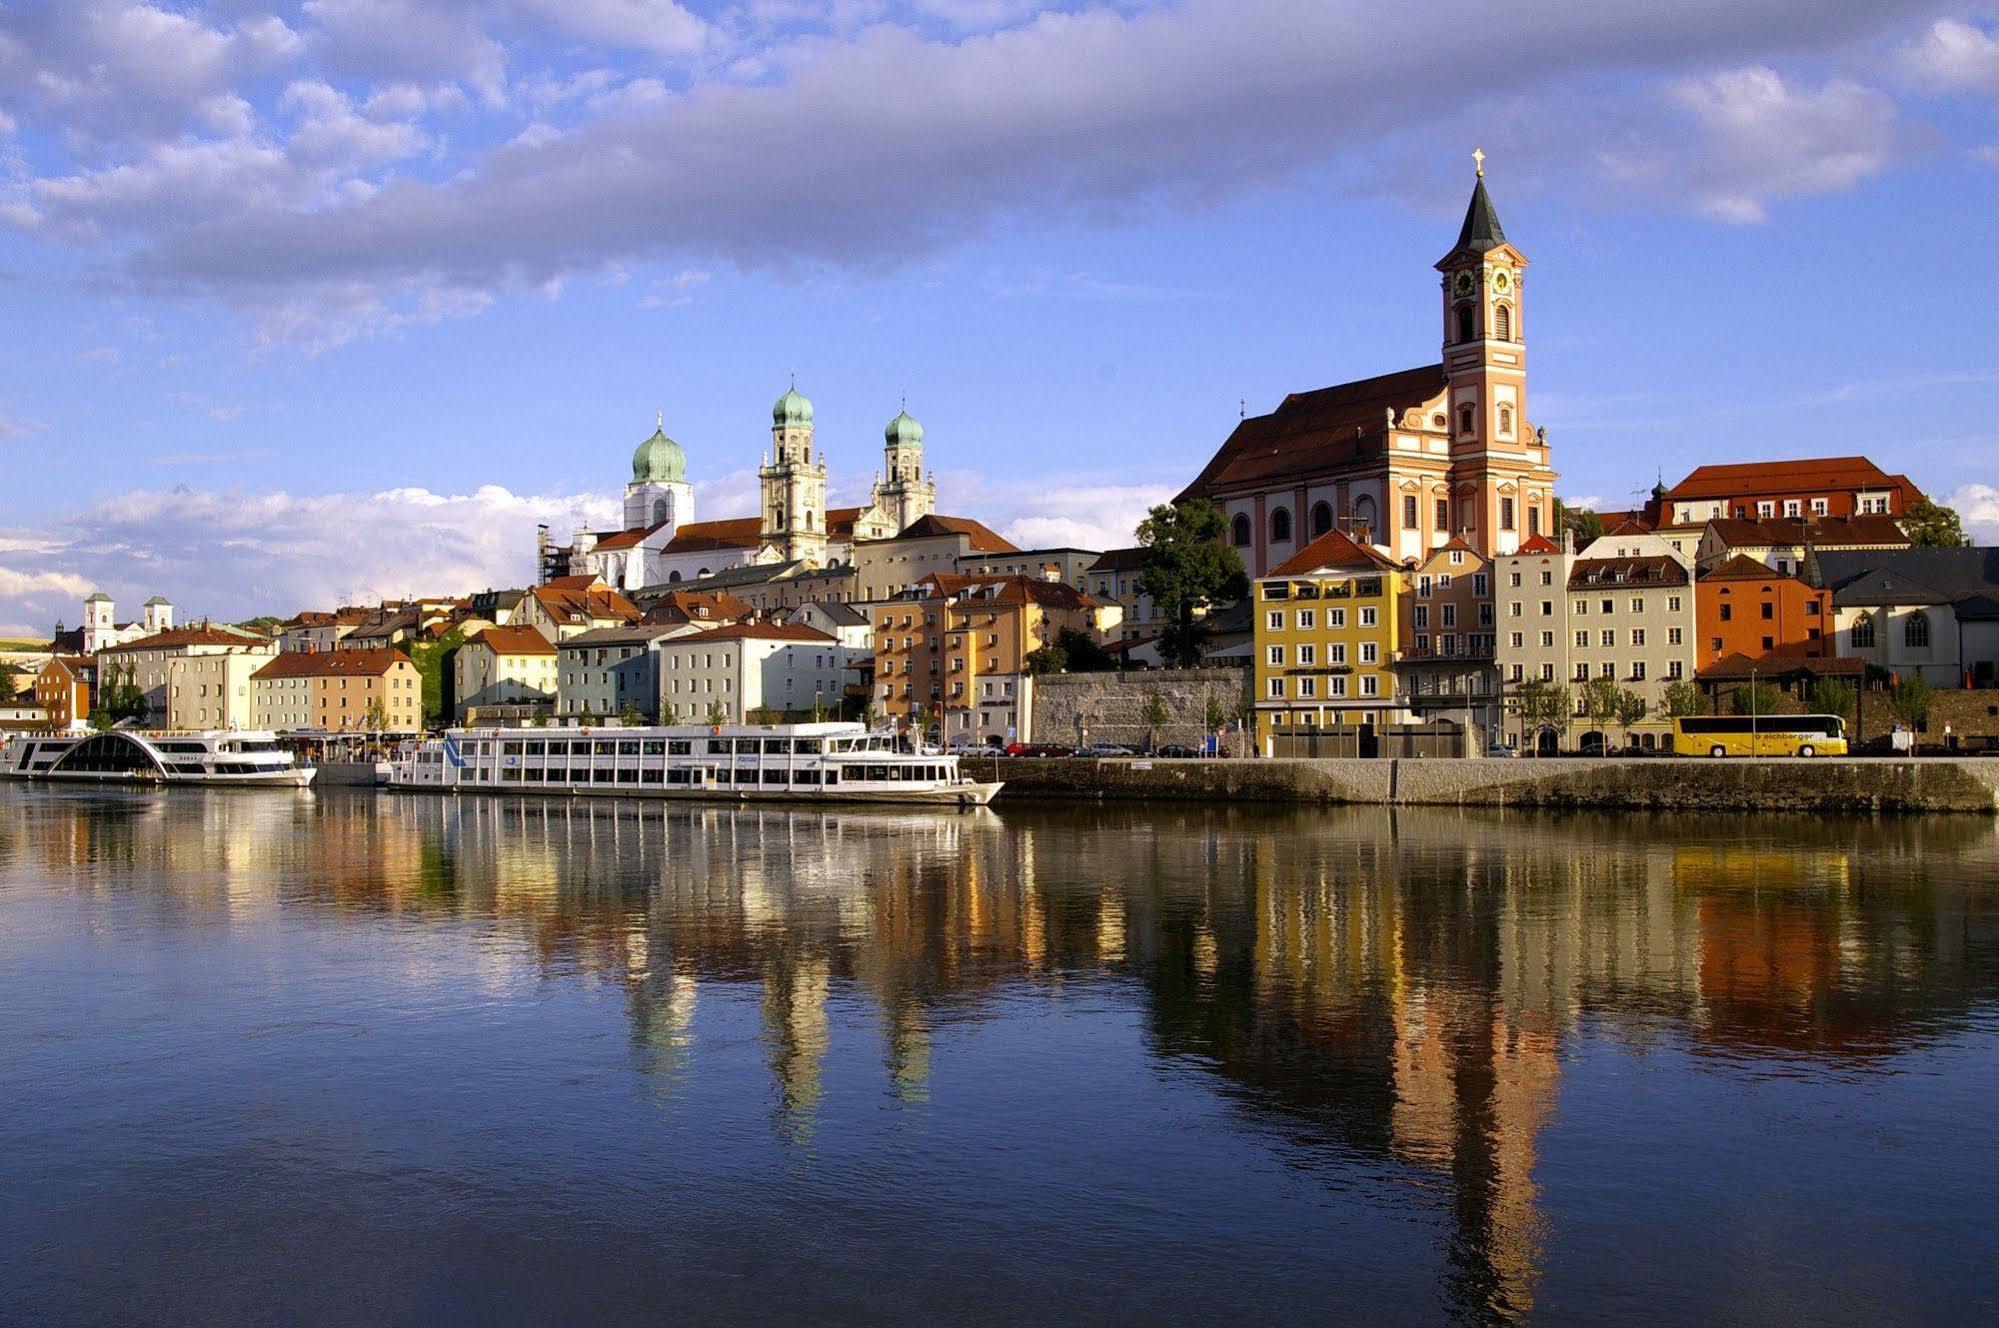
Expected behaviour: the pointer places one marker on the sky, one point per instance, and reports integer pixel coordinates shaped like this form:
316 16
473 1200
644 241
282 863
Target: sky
320 302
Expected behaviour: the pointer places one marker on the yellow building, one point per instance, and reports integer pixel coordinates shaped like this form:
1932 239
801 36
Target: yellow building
1328 624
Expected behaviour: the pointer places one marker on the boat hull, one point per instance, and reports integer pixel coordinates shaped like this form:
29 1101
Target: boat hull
272 779
952 795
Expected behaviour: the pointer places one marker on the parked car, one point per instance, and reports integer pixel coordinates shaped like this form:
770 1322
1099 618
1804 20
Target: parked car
1038 749
1173 751
1108 749
972 747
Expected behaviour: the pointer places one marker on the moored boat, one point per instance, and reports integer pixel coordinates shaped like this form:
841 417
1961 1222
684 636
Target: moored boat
135 756
828 762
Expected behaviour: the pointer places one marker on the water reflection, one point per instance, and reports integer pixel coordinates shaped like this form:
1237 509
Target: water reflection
1378 998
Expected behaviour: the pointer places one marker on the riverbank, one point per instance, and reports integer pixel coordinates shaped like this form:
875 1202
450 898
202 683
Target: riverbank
1655 783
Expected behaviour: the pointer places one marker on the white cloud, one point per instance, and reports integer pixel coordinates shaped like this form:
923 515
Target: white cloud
1075 515
661 26
1978 508
1954 56
412 41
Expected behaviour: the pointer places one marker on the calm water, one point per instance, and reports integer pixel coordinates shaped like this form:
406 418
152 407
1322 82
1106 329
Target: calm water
336 1058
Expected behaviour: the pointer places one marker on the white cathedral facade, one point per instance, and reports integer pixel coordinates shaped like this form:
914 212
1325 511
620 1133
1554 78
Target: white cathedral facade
662 543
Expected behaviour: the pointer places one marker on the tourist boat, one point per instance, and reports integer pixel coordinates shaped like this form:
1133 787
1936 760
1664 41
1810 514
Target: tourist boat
830 762
224 759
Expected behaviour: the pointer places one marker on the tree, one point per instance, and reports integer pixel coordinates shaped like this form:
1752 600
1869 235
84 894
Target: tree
119 698
1933 526
1600 697
718 713
631 716
1543 705
11 675
1047 659
871 718
1754 698
1830 696
433 660
1910 699
1213 713
1682 698
1244 714
764 714
1580 522
1631 711
376 717
1157 715
265 623
1082 652
1187 570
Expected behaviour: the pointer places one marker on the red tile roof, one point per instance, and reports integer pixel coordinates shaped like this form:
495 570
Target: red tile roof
1015 589
514 641
758 632
1824 532
1119 560
564 602
332 664
1538 544
1333 549
1814 475
1313 432
627 539
175 638
1652 570
736 533
980 538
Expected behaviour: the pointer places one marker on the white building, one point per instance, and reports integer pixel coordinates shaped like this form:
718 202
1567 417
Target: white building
613 669
101 629
161 666
512 666
750 667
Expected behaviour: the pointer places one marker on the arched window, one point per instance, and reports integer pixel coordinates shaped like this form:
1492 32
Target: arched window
1506 419
1465 418
1280 525
1239 531
1363 515
1916 632
1863 632
1322 519
672 577
1502 322
1465 318
659 510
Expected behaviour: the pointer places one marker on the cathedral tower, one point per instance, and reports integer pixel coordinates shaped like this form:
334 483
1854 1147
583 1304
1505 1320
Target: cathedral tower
659 493
794 485
1485 366
904 493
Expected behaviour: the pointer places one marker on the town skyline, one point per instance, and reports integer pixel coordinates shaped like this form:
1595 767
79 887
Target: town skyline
1074 351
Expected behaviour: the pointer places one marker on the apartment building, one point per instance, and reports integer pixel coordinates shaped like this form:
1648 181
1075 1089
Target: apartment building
613 670
734 674
511 666
1445 661
1742 607
151 662
1328 624
63 689
332 691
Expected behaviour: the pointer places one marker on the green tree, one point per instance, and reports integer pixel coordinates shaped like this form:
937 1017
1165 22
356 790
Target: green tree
1214 713
631 716
1157 715
1580 522
1047 659
1682 698
718 713
1933 526
1830 696
1543 705
1754 698
871 717
376 717
1083 653
1599 697
433 660
1631 711
265 623
1910 699
1187 570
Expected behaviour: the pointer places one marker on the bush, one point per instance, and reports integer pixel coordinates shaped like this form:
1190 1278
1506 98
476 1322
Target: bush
1756 698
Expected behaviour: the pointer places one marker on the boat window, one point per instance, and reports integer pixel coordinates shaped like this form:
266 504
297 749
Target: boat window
679 776
628 747
628 775
774 776
654 747
538 747
679 747
832 775
604 748
106 753
651 775
534 774
510 749
718 746
721 775
776 746
805 776
602 776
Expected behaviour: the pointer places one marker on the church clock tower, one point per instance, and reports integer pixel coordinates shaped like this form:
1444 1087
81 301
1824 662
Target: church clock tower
1499 477
794 485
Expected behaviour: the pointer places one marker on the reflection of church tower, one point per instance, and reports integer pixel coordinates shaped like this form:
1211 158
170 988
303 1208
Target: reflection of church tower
659 492
795 1025
794 485
903 492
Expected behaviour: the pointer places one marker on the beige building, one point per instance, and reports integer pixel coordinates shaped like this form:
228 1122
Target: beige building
513 666
338 690
206 697
735 672
1622 609
572 605
933 545
1069 566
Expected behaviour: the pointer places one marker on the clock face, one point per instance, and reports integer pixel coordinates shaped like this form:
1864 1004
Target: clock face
1499 279
1465 283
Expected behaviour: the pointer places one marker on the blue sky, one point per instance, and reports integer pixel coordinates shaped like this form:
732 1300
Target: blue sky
337 299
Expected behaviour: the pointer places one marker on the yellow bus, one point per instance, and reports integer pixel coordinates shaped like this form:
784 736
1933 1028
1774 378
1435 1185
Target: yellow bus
1759 735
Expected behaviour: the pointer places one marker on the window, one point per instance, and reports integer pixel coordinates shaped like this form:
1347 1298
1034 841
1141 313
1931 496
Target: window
1369 617
1277 688
1582 608
1336 619
1505 504
1609 640
1502 326
1308 656
1466 323
1638 636
1582 672
1275 657
1370 653
1863 632
1672 636
1547 640
1766 508
1443 514
1465 419
1582 640
1336 653
1423 584
1673 604
1769 610
1673 669
1481 585
1533 520
1280 525
1239 531
1916 632
1409 511
1336 688
1506 421
1794 507
1422 616
1322 518
1307 688
1727 612
1450 618
1515 640
1276 620
1820 507
1369 684
1547 673
1547 578
1363 514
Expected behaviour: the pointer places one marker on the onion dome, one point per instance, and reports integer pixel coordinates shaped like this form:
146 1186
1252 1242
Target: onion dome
903 430
792 411
659 460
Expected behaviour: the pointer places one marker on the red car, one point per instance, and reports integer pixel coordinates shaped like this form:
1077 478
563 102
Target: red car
1037 749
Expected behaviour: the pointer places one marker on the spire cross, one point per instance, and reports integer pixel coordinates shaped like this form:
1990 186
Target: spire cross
659 417
1478 160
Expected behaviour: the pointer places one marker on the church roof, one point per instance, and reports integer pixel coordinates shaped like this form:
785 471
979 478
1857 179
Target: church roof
1481 232
1313 432
631 539
742 532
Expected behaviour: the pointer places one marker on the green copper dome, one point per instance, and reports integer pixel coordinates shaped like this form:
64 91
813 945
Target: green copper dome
659 460
791 411
903 429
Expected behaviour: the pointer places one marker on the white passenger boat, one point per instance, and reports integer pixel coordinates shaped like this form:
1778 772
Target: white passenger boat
758 762
134 756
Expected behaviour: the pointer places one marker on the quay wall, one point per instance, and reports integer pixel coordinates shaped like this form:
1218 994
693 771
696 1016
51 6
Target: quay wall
1656 784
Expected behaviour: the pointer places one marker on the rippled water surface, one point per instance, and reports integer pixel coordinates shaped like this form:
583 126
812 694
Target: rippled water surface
336 1058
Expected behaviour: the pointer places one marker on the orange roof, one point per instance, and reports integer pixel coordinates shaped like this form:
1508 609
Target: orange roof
716 606
625 539
981 538
332 663
564 601
1803 476
1538 544
758 632
1333 549
1825 532
742 532
175 638
514 641
1013 589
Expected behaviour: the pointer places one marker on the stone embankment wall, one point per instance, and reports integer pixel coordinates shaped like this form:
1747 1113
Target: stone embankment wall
1112 709
1822 785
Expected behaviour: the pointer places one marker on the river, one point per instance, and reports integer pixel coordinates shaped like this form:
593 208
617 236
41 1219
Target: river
337 1057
